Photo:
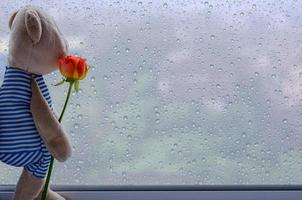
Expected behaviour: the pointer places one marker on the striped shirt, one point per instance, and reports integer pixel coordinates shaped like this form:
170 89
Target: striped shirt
18 132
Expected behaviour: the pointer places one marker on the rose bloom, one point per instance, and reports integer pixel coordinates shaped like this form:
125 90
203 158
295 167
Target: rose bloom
73 67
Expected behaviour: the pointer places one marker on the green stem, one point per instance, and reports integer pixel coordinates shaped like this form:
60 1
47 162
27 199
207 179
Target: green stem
44 193
66 101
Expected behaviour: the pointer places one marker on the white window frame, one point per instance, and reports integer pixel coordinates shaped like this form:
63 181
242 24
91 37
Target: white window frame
214 192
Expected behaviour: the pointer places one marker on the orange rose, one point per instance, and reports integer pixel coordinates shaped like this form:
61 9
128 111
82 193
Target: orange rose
73 67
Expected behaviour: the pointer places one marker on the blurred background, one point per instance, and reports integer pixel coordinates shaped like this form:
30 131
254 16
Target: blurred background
179 92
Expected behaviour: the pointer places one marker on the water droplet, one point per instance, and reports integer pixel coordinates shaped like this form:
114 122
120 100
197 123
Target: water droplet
76 125
80 116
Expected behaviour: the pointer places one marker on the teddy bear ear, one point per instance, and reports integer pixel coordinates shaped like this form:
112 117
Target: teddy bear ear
33 25
11 19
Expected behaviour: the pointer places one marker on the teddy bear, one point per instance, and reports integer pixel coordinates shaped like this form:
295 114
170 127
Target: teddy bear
29 129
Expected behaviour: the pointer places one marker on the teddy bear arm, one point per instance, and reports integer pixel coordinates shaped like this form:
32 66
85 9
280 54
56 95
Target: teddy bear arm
49 128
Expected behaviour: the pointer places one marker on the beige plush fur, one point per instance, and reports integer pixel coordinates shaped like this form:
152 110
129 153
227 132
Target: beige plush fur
35 41
35 46
48 126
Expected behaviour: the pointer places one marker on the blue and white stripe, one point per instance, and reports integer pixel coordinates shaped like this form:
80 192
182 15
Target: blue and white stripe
20 142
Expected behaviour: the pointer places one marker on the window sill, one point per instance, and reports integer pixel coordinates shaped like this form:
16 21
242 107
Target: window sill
247 192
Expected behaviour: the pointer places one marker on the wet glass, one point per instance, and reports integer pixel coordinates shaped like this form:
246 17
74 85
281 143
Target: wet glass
180 92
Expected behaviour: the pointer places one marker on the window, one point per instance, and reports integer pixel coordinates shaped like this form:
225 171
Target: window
181 92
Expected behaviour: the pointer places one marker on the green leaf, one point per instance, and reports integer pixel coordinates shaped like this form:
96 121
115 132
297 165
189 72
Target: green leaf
60 83
76 86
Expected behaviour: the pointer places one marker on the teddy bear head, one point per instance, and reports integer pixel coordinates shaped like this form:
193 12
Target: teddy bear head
35 43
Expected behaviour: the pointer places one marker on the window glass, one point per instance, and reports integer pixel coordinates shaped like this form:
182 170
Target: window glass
180 92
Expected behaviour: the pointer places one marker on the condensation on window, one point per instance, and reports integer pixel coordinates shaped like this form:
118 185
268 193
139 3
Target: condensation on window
179 92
